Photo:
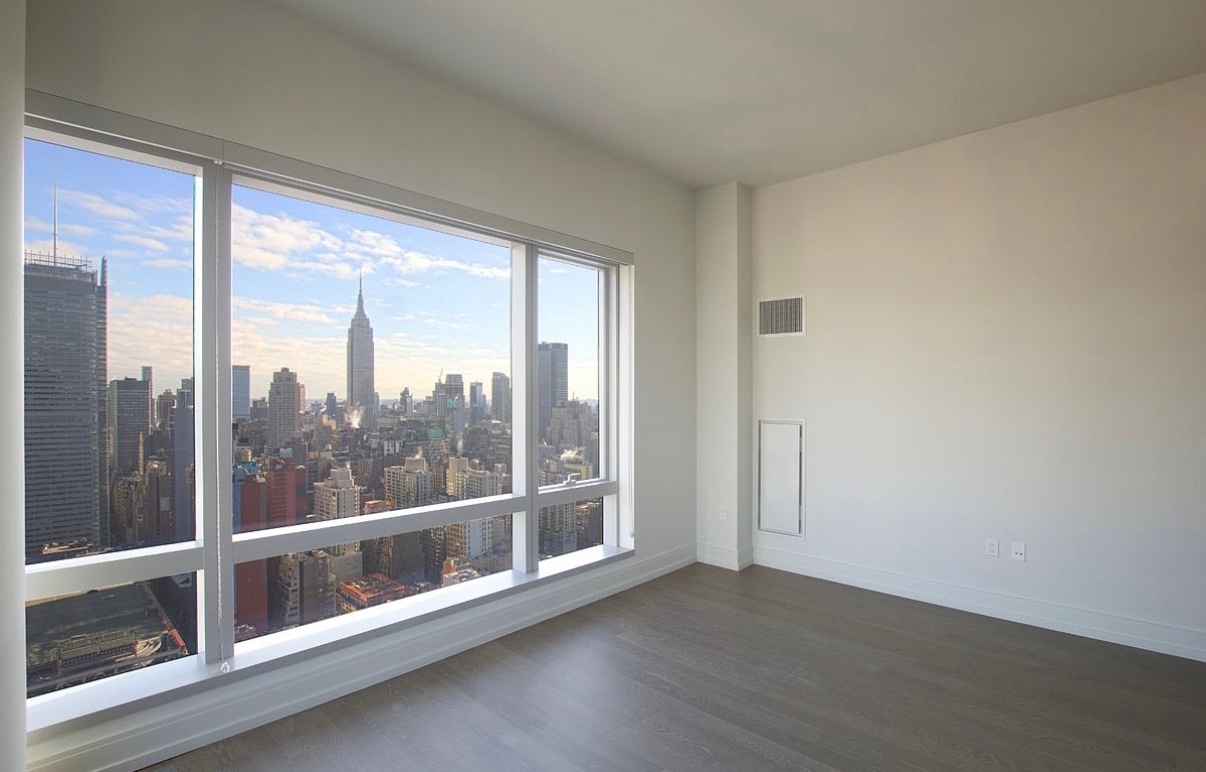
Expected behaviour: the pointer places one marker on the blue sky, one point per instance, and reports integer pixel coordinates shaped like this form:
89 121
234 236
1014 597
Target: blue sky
436 301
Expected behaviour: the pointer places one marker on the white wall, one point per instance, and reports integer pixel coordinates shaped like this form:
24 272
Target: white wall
1006 336
723 325
12 447
253 73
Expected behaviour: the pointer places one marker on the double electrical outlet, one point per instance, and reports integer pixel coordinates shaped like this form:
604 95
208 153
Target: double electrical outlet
992 548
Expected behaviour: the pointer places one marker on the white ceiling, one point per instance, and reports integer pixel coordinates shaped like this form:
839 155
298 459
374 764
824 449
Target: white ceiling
761 91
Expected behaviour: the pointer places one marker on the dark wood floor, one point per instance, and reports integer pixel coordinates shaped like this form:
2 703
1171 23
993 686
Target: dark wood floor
710 669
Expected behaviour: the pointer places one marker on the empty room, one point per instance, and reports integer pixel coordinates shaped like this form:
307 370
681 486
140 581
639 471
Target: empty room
447 384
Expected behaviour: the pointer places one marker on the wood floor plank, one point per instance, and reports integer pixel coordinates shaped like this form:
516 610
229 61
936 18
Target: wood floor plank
707 669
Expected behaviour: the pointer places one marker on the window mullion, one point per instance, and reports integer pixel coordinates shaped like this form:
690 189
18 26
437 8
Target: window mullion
213 419
525 389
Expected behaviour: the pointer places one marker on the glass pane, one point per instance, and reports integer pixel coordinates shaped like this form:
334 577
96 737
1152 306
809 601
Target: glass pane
108 353
97 634
568 371
364 348
297 589
566 528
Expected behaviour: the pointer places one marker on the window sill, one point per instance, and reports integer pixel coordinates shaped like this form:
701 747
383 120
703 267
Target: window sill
163 682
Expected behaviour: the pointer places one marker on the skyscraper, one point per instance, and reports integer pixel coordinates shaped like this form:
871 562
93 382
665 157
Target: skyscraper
361 388
284 408
338 497
409 485
477 403
240 392
148 375
552 361
66 485
183 453
128 424
500 397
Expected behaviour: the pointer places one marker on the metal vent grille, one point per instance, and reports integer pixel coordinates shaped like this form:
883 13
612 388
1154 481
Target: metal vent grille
781 317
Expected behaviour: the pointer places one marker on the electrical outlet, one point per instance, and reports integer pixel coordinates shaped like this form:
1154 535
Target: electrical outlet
1019 550
724 514
992 546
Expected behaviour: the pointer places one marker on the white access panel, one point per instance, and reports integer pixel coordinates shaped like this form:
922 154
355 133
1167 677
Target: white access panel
781 477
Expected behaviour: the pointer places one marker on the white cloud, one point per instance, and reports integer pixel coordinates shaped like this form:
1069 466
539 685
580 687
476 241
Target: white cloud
156 204
295 312
77 230
412 262
156 330
433 320
38 226
170 263
97 205
271 242
65 247
278 242
142 241
181 229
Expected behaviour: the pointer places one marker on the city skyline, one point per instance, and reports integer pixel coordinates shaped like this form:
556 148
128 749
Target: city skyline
111 460
439 302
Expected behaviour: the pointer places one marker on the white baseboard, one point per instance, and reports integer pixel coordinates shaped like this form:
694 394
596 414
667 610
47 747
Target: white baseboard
1142 634
157 733
725 557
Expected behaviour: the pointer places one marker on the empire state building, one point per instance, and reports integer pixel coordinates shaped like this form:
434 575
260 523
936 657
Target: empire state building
361 389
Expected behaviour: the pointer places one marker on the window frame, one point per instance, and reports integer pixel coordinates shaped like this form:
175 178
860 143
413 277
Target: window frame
216 551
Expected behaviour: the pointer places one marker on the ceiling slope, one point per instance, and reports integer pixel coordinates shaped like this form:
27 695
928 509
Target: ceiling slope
761 91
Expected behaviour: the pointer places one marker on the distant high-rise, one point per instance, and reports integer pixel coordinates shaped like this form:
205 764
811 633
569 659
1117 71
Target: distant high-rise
304 590
240 392
183 453
552 361
558 530
148 375
571 425
128 424
409 485
288 502
361 388
284 408
163 408
500 397
477 403
338 497
66 485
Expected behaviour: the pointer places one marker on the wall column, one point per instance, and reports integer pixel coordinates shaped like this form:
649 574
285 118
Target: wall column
724 413
12 369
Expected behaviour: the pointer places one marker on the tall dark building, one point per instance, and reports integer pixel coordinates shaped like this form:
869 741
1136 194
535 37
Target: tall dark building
240 392
148 375
477 403
129 423
285 404
66 482
552 362
183 456
361 389
500 397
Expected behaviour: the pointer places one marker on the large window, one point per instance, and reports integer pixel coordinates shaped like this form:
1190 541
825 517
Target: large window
262 395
